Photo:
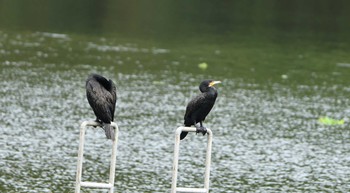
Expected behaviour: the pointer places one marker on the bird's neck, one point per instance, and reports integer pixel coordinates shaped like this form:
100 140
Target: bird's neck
211 92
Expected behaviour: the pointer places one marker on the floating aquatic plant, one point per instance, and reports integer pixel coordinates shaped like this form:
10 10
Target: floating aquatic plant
203 66
331 121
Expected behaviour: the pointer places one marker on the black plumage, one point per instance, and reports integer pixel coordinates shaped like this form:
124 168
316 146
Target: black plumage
102 96
199 107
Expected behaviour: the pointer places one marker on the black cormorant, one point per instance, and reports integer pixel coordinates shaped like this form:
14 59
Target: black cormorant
102 97
199 107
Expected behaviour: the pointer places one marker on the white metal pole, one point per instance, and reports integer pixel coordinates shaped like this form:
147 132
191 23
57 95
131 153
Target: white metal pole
176 159
79 182
113 156
174 187
80 156
208 160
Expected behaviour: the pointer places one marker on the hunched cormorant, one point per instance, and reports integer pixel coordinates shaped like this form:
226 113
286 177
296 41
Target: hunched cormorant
199 107
102 97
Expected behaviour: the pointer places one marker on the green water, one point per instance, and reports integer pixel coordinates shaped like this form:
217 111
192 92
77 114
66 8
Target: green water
283 66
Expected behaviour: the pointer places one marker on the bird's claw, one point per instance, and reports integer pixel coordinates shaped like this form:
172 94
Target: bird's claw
202 130
98 121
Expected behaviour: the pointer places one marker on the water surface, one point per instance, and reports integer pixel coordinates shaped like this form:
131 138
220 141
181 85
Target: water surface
277 82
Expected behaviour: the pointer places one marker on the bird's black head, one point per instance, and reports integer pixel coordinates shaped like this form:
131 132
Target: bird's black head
107 84
207 84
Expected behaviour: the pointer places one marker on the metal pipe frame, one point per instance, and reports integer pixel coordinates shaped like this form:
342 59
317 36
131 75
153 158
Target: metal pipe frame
175 189
110 184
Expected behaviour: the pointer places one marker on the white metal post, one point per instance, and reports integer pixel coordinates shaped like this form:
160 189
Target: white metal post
174 187
79 183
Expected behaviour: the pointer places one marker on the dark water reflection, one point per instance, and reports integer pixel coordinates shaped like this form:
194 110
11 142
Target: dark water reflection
267 138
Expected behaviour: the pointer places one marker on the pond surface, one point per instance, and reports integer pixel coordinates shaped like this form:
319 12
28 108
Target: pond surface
281 72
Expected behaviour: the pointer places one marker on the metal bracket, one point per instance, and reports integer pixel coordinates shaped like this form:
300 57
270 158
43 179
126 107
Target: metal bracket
79 183
175 189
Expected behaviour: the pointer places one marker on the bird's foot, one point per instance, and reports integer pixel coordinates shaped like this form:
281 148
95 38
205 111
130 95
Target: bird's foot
98 121
201 129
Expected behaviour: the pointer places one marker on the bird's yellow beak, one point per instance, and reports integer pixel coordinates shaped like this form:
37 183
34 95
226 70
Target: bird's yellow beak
212 83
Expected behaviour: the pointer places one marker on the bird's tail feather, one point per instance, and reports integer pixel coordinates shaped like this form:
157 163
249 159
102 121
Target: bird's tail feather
109 131
183 135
